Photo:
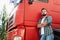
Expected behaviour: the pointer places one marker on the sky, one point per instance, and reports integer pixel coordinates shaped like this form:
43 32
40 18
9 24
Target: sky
1 7
9 6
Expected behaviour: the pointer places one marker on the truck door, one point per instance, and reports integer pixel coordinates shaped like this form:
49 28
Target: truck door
32 15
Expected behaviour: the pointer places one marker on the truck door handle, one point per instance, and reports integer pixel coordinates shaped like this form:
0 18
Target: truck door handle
30 1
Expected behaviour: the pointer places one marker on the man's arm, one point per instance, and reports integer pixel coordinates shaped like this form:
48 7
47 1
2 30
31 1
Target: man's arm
42 24
48 21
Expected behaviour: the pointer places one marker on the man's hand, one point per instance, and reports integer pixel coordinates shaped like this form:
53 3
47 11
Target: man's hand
39 26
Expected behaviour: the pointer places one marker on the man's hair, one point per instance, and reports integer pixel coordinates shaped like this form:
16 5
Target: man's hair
43 9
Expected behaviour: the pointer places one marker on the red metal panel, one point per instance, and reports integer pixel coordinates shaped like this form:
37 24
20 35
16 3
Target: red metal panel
16 32
19 18
56 2
9 35
54 11
32 33
33 12
55 26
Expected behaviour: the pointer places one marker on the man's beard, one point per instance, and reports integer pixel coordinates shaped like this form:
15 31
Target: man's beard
43 14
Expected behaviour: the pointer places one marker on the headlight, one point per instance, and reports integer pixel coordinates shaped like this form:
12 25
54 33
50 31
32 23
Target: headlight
17 38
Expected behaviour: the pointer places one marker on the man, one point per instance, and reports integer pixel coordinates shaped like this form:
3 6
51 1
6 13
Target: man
45 26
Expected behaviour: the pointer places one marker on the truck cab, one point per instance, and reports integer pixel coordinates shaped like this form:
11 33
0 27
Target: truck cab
22 23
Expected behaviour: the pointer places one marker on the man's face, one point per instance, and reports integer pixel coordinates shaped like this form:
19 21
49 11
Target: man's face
44 12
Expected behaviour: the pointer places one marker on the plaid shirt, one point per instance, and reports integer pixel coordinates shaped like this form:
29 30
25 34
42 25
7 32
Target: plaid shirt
47 29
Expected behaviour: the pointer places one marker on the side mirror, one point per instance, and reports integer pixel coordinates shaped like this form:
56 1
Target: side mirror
30 1
20 1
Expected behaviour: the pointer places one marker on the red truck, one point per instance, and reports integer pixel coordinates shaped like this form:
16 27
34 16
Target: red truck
22 23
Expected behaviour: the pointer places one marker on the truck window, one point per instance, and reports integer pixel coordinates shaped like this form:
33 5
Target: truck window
46 1
15 1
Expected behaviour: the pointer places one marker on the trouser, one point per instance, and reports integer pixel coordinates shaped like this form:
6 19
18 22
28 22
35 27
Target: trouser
48 37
